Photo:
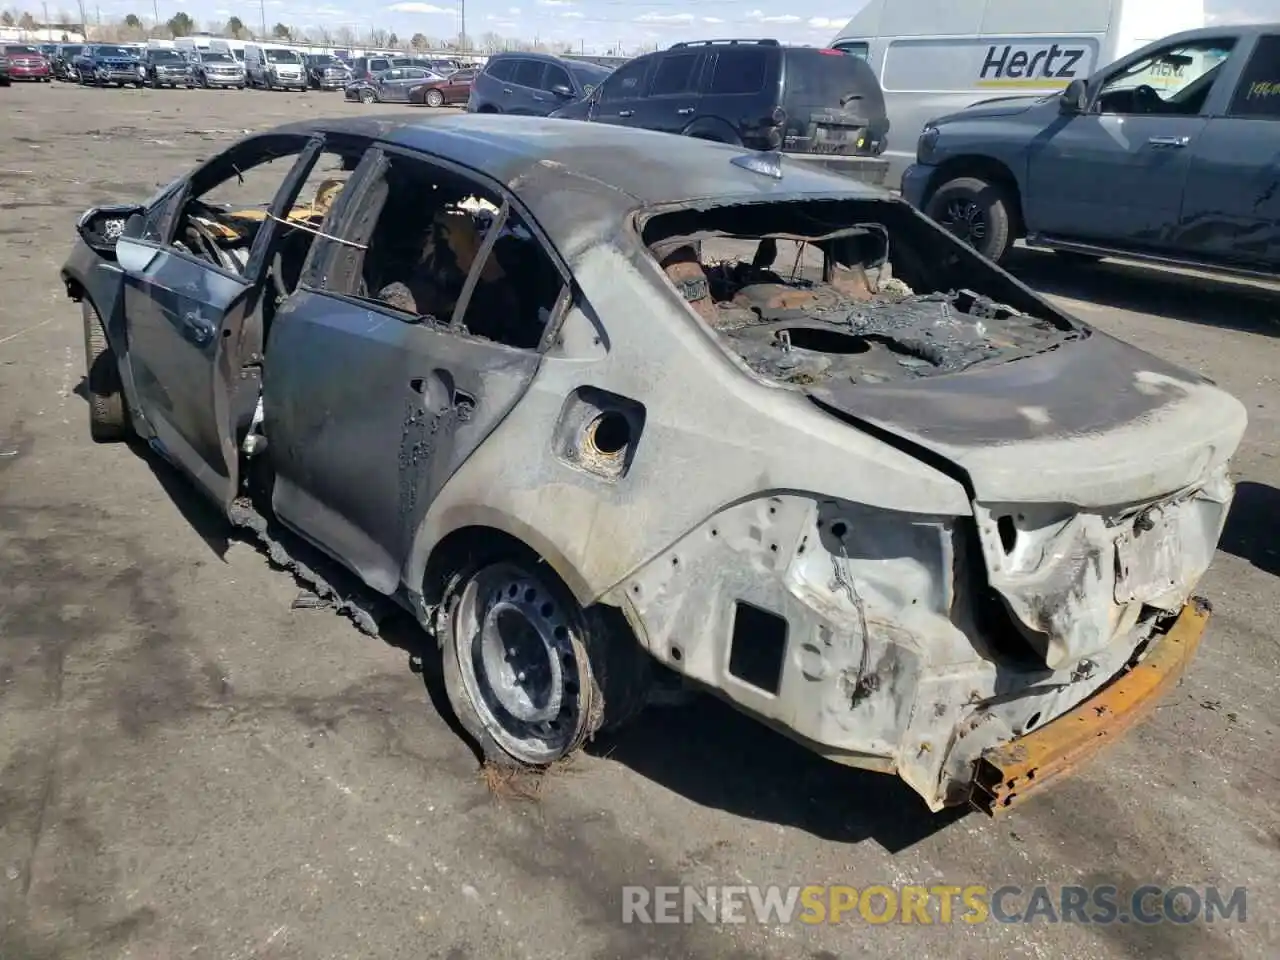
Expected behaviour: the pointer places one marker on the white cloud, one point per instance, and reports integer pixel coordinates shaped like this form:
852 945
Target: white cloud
665 18
571 15
555 3
513 10
784 18
826 23
419 8
712 20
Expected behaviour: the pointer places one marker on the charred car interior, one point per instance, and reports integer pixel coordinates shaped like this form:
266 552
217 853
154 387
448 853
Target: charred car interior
781 439
862 300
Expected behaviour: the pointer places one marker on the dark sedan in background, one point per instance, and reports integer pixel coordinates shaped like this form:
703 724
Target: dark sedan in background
104 63
455 88
166 68
389 86
26 62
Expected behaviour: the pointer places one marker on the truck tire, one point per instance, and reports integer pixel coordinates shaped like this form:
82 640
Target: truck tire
108 415
976 211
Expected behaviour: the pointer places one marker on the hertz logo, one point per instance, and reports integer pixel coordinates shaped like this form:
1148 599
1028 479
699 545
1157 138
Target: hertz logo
1029 66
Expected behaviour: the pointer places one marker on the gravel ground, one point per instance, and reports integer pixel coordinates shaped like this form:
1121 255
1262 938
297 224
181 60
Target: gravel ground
189 767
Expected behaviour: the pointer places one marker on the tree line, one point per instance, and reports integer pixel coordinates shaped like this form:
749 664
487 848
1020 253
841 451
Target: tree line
182 24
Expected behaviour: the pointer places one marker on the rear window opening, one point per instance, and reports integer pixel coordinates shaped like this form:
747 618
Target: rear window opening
861 291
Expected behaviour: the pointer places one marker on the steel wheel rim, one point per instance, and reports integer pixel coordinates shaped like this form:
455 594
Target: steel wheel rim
966 219
518 665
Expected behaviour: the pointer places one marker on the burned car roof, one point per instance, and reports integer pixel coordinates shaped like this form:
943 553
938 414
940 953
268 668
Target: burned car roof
573 176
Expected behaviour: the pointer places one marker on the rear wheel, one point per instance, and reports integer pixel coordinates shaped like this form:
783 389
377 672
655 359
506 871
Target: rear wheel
435 98
528 672
108 415
976 211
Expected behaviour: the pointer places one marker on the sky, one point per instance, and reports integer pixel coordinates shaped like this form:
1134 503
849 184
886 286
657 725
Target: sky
595 25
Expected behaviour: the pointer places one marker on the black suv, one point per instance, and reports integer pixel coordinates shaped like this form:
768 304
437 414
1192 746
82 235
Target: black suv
533 84
823 106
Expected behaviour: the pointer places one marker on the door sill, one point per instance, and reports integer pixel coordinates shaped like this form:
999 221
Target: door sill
1154 259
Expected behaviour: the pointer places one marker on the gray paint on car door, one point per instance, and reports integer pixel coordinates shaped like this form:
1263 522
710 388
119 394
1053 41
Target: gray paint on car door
1231 208
369 414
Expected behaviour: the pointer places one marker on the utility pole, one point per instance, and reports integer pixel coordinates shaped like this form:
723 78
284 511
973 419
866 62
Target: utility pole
462 15
155 9
45 6
262 11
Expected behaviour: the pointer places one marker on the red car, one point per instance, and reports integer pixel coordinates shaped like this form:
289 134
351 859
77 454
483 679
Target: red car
27 63
455 88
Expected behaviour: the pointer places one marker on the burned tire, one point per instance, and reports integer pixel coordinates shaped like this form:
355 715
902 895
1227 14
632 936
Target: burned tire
108 414
977 212
530 675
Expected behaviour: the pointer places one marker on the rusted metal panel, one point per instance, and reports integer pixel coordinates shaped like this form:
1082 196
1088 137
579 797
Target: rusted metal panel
1007 775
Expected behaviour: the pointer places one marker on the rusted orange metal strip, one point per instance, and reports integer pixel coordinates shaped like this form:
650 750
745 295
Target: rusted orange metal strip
1008 774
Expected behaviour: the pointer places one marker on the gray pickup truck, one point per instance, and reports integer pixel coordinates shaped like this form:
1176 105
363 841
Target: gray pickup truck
1171 154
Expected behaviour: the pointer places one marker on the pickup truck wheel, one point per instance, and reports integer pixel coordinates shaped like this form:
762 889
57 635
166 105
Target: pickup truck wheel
108 415
975 211
528 672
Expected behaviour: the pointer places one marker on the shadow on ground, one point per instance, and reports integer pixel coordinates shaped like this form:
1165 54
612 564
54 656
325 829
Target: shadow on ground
1252 531
703 751
1211 301
719 758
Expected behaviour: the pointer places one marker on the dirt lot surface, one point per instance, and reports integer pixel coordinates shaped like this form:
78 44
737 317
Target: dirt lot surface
191 768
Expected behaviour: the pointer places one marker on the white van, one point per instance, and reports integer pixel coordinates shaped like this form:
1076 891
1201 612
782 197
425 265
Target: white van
189 45
271 65
235 48
937 56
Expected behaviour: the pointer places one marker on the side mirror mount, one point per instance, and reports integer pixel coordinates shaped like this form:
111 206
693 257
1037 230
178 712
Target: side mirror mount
562 91
101 227
1073 99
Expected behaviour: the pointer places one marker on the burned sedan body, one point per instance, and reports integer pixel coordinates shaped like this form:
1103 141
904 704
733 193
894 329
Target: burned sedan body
599 405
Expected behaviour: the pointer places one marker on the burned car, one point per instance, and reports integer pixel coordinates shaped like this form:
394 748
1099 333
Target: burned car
602 407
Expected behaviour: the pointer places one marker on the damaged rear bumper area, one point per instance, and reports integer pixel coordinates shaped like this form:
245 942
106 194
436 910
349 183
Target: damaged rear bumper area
875 639
1009 774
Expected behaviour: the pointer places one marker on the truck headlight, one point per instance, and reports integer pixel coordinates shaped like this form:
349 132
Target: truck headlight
927 143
